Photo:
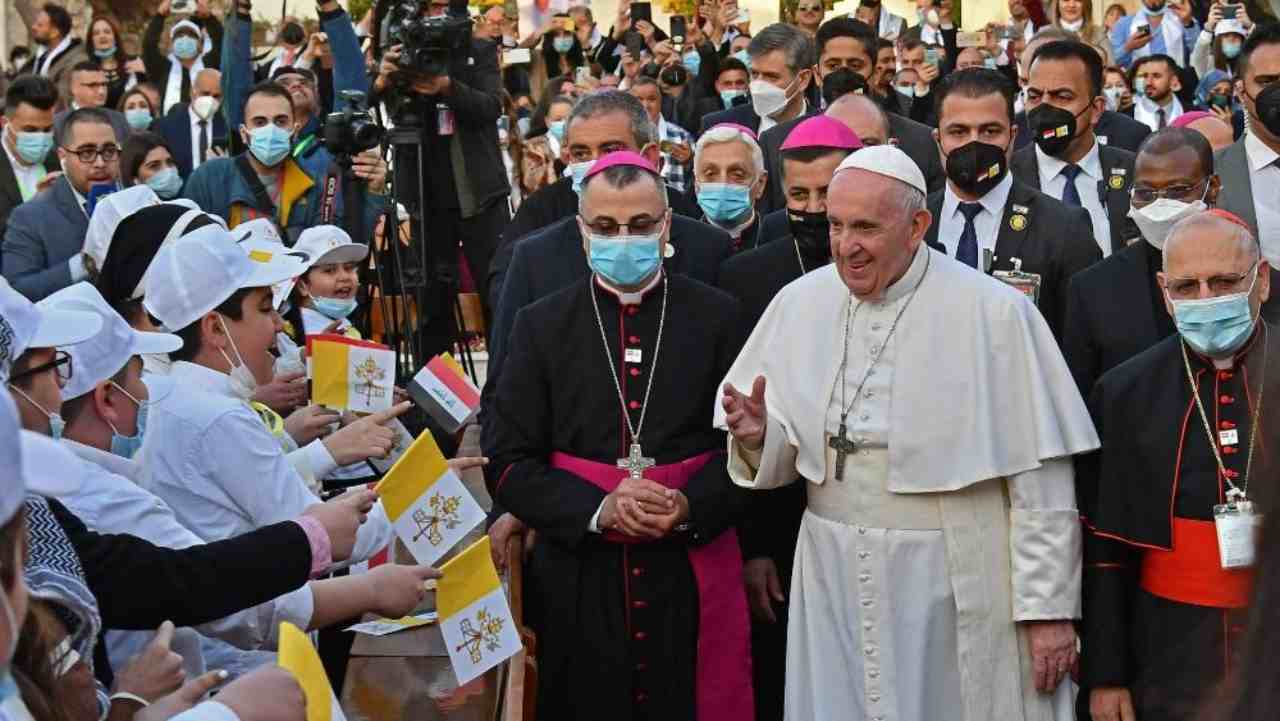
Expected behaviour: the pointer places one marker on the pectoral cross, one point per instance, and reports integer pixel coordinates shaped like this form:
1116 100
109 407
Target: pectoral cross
843 447
635 463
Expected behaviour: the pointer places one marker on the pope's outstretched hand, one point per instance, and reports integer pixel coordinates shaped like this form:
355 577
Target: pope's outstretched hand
746 415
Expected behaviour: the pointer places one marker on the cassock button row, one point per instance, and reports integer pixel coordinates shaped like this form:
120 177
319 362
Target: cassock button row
640 635
867 603
634 405
633 340
637 571
1226 425
1232 474
864 555
1228 450
1226 400
873 673
869 650
864 577
633 309
862 530
868 625
635 372
1226 375
874 698
875 326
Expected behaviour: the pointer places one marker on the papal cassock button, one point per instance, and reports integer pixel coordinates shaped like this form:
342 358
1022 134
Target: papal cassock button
633 405
873 673
641 635
862 530
867 603
874 698
869 650
867 625
637 571
864 577
864 555
639 604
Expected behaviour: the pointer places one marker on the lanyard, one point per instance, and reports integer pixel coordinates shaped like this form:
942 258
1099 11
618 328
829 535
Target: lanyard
1235 493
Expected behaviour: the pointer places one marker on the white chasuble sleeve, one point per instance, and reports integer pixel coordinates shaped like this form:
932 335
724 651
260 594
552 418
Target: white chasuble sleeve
771 466
1045 543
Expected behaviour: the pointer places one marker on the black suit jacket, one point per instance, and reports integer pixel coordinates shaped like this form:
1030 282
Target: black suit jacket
915 139
10 194
1054 241
1117 174
175 128
1115 130
741 114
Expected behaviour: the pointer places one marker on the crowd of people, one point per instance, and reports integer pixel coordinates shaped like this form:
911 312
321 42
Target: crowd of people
756 476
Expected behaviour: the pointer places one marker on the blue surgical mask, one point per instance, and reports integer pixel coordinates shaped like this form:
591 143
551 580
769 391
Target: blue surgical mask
1230 50
33 147
334 308
1215 327
104 53
725 204
692 61
728 96
562 44
138 118
625 261
556 128
579 173
744 57
908 91
127 446
989 63
186 47
166 183
1139 86
1149 12
270 144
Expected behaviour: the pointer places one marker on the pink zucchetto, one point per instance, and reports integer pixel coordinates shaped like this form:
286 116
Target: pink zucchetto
619 158
821 131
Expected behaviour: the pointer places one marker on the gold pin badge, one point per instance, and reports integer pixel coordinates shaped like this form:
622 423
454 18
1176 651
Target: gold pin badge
1117 182
1018 222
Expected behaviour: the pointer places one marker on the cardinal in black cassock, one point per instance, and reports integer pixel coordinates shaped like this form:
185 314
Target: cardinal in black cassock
625 365
1162 615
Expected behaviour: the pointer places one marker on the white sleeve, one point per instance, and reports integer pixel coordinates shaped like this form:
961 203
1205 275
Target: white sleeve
1045 543
257 627
207 711
257 477
773 466
1202 53
373 536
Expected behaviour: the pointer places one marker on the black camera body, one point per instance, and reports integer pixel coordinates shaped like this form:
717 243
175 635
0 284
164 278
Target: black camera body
429 44
353 129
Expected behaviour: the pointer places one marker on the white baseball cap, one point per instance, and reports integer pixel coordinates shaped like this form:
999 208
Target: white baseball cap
886 160
326 244
107 215
260 234
1227 27
23 325
198 272
107 351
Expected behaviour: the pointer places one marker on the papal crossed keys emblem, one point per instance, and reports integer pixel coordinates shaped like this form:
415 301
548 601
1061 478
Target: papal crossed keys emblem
485 636
372 374
443 513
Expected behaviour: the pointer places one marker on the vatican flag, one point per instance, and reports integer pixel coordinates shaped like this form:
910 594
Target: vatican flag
429 507
475 619
299 657
350 375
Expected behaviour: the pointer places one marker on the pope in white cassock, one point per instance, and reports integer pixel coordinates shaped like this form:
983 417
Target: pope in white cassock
932 414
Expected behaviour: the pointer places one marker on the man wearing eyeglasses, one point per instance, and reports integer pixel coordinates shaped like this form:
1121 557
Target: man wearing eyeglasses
41 251
1172 499
87 84
809 14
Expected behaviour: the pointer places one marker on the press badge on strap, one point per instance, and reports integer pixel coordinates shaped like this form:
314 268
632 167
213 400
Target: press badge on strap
1237 526
1027 283
444 119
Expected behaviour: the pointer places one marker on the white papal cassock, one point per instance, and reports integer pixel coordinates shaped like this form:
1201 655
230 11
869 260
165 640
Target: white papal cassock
956 517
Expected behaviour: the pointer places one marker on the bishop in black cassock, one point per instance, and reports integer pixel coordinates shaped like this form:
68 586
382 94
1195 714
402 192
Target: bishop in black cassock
628 627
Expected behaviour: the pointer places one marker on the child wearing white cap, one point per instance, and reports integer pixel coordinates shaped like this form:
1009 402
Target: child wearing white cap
326 292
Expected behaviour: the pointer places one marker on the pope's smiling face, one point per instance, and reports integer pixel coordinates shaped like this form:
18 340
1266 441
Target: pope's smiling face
874 235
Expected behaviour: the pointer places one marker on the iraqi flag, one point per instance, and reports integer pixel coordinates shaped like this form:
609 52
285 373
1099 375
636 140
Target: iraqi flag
475 619
349 374
443 389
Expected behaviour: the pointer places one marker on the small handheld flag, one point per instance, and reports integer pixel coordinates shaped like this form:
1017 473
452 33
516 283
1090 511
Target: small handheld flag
429 507
349 374
299 657
475 620
443 389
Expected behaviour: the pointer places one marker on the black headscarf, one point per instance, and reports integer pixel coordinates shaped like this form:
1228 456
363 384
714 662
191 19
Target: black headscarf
134 244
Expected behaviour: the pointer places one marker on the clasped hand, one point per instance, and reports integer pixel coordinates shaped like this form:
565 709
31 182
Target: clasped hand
644 509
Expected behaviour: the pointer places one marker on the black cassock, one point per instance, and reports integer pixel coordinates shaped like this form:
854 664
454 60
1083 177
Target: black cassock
1161 617
617 624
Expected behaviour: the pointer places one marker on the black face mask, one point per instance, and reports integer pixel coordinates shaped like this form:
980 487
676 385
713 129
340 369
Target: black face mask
977 167
1267 107
523 112
1053 128
811 231
293 34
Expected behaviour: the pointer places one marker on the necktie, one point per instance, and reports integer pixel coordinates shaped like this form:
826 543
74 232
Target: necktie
967 250
40 68
204 141
1070 195
1160 124
185 96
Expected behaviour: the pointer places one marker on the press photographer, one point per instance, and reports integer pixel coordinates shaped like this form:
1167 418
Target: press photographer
441 88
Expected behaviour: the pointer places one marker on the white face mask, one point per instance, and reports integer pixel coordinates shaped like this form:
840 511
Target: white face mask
1114 96
205 106
1156 220
243 382
768 99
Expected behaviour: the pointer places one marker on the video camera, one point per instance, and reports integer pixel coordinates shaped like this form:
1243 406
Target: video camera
428 44
353 129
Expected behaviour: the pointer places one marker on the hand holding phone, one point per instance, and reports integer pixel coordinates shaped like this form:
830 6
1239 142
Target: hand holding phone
1230 12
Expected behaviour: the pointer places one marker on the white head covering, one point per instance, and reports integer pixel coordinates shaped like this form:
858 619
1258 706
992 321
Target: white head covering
324 244
889 161
107 215
23 325
260 234
196 273
1226 27
107 351
189 25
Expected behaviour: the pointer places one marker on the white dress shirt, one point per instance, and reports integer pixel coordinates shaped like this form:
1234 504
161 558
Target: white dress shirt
1264 177
42 66
1144 111
767 122
1053 182
986 223
207 454
28 176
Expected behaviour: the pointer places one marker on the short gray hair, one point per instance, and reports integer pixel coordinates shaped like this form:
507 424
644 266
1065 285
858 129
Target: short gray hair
729 134
615 101
1197 224
791 40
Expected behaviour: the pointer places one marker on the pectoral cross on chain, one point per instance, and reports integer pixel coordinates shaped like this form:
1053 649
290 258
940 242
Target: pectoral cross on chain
843 447
635 463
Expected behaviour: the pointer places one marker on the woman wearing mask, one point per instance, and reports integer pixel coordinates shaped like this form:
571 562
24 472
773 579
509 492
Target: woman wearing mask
1115 87
137 109
1076 16
1219 44
561 53
146 160
107 50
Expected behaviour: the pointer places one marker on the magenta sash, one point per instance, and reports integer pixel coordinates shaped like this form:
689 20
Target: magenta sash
724 632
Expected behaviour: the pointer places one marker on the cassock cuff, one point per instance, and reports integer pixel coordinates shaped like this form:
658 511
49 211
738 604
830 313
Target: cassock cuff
772 466
1045 547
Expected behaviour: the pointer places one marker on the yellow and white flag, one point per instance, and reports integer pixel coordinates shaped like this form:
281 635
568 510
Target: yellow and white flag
349 374
475 619
429 507
299 657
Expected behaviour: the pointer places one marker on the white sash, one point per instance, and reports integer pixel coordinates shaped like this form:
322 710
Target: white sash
1170 28
890 24
173 87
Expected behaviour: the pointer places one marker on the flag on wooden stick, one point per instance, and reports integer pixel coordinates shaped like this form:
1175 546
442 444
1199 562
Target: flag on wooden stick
475 619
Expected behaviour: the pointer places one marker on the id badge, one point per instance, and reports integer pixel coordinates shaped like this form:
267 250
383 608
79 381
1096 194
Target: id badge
1026 283
444 119
1236 524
